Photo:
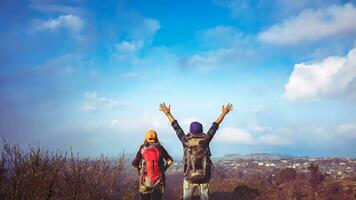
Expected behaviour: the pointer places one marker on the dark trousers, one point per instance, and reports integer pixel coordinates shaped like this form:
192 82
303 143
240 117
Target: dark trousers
155 195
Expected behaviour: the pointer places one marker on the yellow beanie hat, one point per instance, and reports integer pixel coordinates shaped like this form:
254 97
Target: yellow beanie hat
151 136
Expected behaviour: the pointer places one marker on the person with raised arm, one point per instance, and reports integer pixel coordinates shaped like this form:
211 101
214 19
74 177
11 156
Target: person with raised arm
197 162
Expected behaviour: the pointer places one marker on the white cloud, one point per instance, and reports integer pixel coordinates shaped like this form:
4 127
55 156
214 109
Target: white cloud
332 76
144 29
242 8
140 36
242 136
260 10
224 36
347 129
65 64
220 31
256 128
272 139
225 46
312 25
129 47
254 125
308 81
208 60
44 6
234 135
151 26
143 123
69 22
94 102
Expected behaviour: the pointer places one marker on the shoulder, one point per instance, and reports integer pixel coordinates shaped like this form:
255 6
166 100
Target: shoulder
200 135
160 146
187 137
142 147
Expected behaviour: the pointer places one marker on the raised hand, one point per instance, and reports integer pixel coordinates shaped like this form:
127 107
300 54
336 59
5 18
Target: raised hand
226 109
167 111
164 108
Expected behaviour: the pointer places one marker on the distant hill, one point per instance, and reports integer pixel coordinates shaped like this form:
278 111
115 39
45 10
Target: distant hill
255 156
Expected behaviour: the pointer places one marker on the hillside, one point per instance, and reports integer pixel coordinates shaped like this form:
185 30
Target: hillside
40 174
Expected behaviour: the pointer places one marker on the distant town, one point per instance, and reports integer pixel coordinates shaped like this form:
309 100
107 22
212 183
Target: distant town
236 165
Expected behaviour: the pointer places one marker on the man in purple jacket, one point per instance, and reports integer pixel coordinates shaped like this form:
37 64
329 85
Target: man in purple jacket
197 162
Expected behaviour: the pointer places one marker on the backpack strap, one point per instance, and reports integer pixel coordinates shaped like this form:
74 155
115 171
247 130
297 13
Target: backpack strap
204 164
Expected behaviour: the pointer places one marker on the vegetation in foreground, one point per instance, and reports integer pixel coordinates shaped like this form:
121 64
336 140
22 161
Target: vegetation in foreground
39 174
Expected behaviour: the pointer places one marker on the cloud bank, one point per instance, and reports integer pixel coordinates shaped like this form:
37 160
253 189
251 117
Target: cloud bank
241 136
69 22
94 102
333 76
312 25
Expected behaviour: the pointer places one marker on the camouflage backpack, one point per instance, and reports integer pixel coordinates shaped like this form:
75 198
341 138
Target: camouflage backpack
197 158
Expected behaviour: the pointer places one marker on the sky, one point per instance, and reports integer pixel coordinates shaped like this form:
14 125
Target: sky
90 75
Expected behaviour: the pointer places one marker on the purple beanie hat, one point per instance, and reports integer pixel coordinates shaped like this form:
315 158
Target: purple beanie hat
196 128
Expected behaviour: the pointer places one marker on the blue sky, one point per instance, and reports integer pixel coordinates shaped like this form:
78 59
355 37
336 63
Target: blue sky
91 74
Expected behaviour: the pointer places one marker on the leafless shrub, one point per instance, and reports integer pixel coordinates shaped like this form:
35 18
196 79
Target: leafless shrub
316 177
40 174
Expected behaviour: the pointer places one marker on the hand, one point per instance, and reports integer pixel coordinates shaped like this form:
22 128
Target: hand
168 164
164 108
226 109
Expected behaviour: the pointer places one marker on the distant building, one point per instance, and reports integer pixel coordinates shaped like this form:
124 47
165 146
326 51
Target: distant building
270 165
296 165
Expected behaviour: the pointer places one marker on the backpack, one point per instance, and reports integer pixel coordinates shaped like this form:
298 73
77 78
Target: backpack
197 158
151 172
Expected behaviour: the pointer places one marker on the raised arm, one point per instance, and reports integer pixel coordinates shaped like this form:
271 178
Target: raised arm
167 111
225 109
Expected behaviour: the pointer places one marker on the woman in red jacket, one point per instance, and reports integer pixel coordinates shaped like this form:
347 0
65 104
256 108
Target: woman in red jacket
151 161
